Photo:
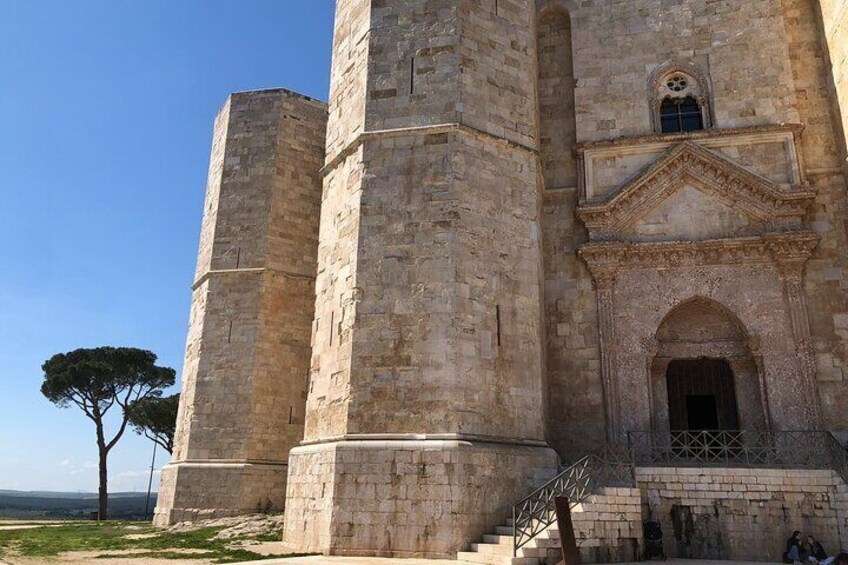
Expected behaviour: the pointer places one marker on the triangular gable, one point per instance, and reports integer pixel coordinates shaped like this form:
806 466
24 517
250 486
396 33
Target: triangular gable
690 164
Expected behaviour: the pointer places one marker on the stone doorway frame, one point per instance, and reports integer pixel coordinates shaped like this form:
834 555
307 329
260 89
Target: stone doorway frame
786 253
742 353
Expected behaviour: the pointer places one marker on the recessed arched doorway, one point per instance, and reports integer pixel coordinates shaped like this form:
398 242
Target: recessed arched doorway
704 371
701 395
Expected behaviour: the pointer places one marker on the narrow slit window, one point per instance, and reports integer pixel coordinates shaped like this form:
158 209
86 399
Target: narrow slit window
498 324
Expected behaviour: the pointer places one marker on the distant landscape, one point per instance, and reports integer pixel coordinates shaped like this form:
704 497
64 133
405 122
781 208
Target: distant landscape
21 505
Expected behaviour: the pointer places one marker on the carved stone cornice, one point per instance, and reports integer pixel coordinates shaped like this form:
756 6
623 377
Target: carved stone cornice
606 259
687 162
795 129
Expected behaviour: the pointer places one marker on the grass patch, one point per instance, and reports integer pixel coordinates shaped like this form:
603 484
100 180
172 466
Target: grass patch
109 537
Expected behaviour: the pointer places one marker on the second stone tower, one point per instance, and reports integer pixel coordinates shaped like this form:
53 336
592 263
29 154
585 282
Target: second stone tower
425 411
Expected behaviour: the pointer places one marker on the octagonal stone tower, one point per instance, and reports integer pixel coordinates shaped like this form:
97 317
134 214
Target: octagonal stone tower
425 413
247 353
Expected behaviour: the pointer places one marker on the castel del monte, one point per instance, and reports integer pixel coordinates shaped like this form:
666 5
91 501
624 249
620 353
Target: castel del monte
530 248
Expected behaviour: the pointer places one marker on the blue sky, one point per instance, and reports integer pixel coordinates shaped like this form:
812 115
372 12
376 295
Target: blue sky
107 112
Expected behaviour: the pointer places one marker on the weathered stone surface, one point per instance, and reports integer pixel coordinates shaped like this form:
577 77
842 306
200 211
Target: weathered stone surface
512 254
742 514
247 356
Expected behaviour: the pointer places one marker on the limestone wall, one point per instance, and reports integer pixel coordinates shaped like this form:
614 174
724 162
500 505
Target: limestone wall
557 131
822 152
608 526
742 514
765 64
834 15
248 350
618 44
405 498
427 316
575 396
428 300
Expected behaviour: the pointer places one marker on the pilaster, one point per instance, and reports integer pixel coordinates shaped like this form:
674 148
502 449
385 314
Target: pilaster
791 259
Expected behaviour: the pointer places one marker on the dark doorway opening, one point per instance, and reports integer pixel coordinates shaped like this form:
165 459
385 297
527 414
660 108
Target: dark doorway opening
701 395
701 412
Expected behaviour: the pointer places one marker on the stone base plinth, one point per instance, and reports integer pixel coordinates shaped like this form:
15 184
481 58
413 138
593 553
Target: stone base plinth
398 498
200 490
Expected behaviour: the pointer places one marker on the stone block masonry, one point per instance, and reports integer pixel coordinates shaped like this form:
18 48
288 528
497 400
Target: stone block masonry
521 258
414 498
248 350
834 14
742 514
427 318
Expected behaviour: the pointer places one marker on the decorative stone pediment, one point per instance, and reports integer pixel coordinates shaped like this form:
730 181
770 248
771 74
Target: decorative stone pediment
690 172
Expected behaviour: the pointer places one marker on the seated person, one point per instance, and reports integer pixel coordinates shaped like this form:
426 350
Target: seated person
815 552
793 548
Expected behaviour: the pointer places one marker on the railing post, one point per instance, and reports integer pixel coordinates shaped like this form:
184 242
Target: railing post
514 532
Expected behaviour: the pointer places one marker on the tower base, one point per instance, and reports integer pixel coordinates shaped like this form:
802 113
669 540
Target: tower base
192 491
396 498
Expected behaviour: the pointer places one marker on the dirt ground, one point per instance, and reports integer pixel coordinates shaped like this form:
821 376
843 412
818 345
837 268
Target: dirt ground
89 557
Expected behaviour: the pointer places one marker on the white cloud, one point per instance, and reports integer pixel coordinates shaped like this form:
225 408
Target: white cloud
133 480
74 468
135 474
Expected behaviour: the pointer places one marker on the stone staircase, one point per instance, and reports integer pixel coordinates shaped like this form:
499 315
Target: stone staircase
748 485
606 524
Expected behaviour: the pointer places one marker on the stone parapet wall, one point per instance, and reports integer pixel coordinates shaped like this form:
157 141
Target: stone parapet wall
607 529
608 526
741 514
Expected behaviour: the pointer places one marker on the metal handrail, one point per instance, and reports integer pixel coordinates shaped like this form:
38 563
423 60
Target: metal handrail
807 449
613 466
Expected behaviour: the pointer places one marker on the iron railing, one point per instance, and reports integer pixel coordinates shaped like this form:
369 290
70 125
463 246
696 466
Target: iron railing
614 465
780 450
611 467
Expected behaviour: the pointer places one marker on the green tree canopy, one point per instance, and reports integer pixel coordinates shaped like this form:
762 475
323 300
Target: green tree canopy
156 418
96 380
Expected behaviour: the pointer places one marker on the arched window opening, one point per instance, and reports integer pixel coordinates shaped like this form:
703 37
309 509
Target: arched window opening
680 100
681 115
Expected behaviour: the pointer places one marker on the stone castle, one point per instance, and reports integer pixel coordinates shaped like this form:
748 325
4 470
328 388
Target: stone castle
519 232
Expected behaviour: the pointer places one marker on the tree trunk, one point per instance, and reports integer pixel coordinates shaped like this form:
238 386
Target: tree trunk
103 491
103 502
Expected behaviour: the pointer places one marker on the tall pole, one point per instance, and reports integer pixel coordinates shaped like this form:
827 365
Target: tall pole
150 482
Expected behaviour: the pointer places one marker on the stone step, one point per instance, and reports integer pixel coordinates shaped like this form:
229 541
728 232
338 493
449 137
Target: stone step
496 548
498 539
491 559
492 548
